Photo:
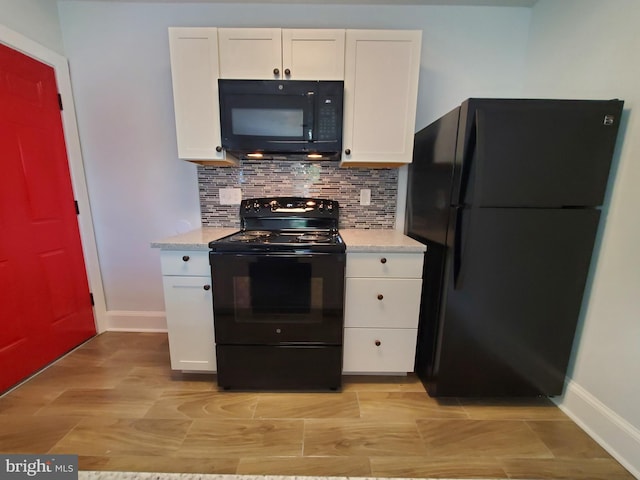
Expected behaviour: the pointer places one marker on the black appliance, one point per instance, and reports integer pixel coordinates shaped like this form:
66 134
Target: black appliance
281 119
505 194
278 296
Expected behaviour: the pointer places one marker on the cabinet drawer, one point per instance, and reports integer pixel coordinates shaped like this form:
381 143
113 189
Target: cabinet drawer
395 352
382 303
185 262
390 265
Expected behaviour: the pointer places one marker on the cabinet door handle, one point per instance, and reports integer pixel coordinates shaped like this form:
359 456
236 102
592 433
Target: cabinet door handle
378 343
185 258
380 296
347 151
207 287
383 260
287 72
218 148
276 71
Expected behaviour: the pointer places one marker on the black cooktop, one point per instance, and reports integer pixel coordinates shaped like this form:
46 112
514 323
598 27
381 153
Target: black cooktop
285 224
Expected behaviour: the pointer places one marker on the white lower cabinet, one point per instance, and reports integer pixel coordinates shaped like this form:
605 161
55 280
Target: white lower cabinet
382 304
188 300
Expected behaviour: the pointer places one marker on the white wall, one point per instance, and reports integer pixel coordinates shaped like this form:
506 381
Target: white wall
35 19
140 191
589 49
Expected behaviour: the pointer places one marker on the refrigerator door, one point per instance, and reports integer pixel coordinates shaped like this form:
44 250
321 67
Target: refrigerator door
429 179
507 321
537 153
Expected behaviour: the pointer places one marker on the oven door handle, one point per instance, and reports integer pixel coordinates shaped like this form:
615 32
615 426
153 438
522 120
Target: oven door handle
279 254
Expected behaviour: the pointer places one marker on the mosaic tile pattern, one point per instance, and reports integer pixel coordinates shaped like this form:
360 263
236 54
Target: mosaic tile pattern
303 179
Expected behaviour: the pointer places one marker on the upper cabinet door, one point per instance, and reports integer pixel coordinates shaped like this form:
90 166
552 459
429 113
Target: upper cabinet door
194 73
313 54
250 53
382 66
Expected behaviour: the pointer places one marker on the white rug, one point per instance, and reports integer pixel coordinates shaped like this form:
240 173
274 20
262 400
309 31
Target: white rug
94 475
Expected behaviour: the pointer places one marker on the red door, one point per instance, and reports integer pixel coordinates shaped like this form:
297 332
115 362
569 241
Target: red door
45 306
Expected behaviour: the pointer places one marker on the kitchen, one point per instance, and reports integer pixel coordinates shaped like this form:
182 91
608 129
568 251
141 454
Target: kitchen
158 195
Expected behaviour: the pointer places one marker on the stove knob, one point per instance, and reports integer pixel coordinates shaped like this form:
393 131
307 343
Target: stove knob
321 206
256 206
330 207
274 205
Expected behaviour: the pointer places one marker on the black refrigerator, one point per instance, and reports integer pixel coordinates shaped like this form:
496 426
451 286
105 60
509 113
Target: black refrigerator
505 193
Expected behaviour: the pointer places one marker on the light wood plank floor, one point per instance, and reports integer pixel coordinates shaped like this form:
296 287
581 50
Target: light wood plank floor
116 403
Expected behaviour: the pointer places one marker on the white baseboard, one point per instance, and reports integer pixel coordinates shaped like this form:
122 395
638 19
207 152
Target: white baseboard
616 435
136 321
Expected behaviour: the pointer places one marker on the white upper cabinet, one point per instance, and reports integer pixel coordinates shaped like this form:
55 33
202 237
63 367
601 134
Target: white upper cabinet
250 53
288 54
382 66
194 74
309 54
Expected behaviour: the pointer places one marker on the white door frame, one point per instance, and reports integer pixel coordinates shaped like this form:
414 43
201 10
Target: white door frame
74 156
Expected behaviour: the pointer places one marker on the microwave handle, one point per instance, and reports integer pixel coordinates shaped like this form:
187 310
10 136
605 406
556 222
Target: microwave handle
309 120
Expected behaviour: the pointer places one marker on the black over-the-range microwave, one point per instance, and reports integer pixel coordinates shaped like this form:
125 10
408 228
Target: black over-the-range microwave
281 119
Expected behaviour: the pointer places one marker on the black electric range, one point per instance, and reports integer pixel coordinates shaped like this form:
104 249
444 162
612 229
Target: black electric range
278 296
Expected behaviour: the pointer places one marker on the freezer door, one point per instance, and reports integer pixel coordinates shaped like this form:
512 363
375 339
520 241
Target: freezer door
429 179
509 312
539 153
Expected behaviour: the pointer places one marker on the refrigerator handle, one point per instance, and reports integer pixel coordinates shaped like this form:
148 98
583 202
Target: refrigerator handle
457 247
467 159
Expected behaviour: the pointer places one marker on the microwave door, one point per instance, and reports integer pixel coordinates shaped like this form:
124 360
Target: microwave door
280 117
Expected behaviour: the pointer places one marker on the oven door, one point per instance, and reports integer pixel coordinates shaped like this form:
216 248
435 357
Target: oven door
278 298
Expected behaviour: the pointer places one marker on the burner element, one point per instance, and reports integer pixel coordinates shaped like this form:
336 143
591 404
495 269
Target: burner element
250 235
313 237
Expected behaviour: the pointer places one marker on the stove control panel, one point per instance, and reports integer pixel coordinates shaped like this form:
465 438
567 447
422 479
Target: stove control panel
288 207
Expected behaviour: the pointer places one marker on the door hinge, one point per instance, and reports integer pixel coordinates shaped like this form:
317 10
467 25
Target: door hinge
60 101
75 203
91 298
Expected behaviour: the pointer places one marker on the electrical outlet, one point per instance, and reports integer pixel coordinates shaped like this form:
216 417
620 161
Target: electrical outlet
365 196
230 196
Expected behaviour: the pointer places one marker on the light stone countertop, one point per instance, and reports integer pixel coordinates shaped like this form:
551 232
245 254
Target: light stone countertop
197 239
356 240
379 240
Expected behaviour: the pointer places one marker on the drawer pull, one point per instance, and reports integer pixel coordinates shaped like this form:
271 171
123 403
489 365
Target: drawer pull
383 260
378 343
185 258
380 296
207 287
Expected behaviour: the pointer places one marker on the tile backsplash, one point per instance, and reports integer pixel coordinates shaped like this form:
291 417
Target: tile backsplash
301 179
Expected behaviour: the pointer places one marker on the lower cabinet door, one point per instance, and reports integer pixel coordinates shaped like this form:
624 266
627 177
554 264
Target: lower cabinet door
189 307
379 350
